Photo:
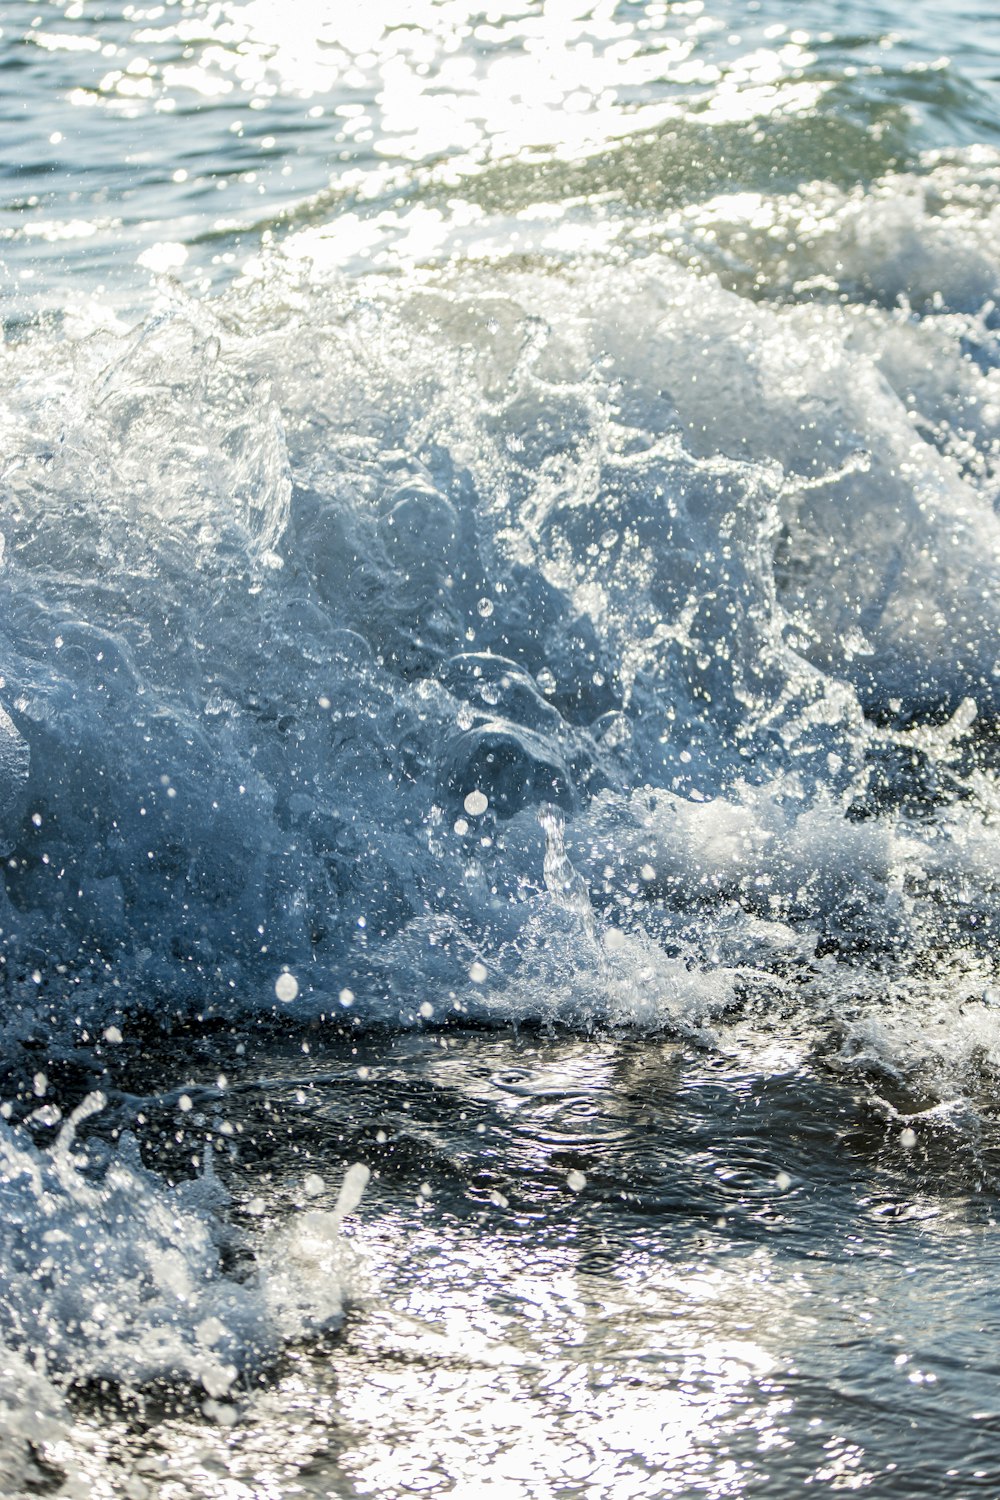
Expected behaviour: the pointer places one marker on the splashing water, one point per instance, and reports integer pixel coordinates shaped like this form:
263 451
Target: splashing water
509 542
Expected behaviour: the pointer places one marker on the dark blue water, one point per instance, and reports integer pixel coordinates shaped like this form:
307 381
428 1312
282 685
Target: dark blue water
499 683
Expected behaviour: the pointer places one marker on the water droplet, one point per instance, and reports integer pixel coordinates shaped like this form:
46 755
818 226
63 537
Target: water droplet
485 608
477 973
286 987
209 1331
576 1181
475 804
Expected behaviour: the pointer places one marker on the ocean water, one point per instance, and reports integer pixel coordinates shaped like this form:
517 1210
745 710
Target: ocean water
499 700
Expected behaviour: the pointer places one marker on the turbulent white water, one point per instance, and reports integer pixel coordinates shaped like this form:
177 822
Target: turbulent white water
290 577
501 608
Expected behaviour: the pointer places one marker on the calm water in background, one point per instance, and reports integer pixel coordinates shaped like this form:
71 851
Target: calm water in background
210 128
650 350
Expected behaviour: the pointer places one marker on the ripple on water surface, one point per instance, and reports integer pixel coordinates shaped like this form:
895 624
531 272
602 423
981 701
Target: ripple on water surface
596 1267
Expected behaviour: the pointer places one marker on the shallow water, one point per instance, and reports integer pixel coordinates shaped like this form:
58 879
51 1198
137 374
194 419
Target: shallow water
499 677
615 1266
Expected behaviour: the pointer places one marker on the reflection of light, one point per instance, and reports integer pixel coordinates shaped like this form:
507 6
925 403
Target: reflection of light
437 78
731 104
52 41
535 1371
164 256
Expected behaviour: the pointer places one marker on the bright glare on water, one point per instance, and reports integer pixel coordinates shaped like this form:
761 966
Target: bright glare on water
499 696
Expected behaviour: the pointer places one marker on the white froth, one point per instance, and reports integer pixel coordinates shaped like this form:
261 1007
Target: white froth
111 1274
695 595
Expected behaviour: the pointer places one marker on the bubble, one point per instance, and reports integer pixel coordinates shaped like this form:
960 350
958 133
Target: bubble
476 803
477 973
485 608
576 1181
286 987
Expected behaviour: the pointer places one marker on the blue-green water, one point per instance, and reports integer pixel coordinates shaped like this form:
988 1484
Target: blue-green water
499 683
213 129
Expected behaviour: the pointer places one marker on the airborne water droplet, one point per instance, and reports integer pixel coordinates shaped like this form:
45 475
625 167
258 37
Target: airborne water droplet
286 987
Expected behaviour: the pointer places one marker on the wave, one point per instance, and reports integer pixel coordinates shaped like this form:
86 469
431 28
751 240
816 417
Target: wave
291 576
603 635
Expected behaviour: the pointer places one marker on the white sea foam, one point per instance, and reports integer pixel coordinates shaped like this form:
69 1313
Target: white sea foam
110 1275
247 662
251 691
